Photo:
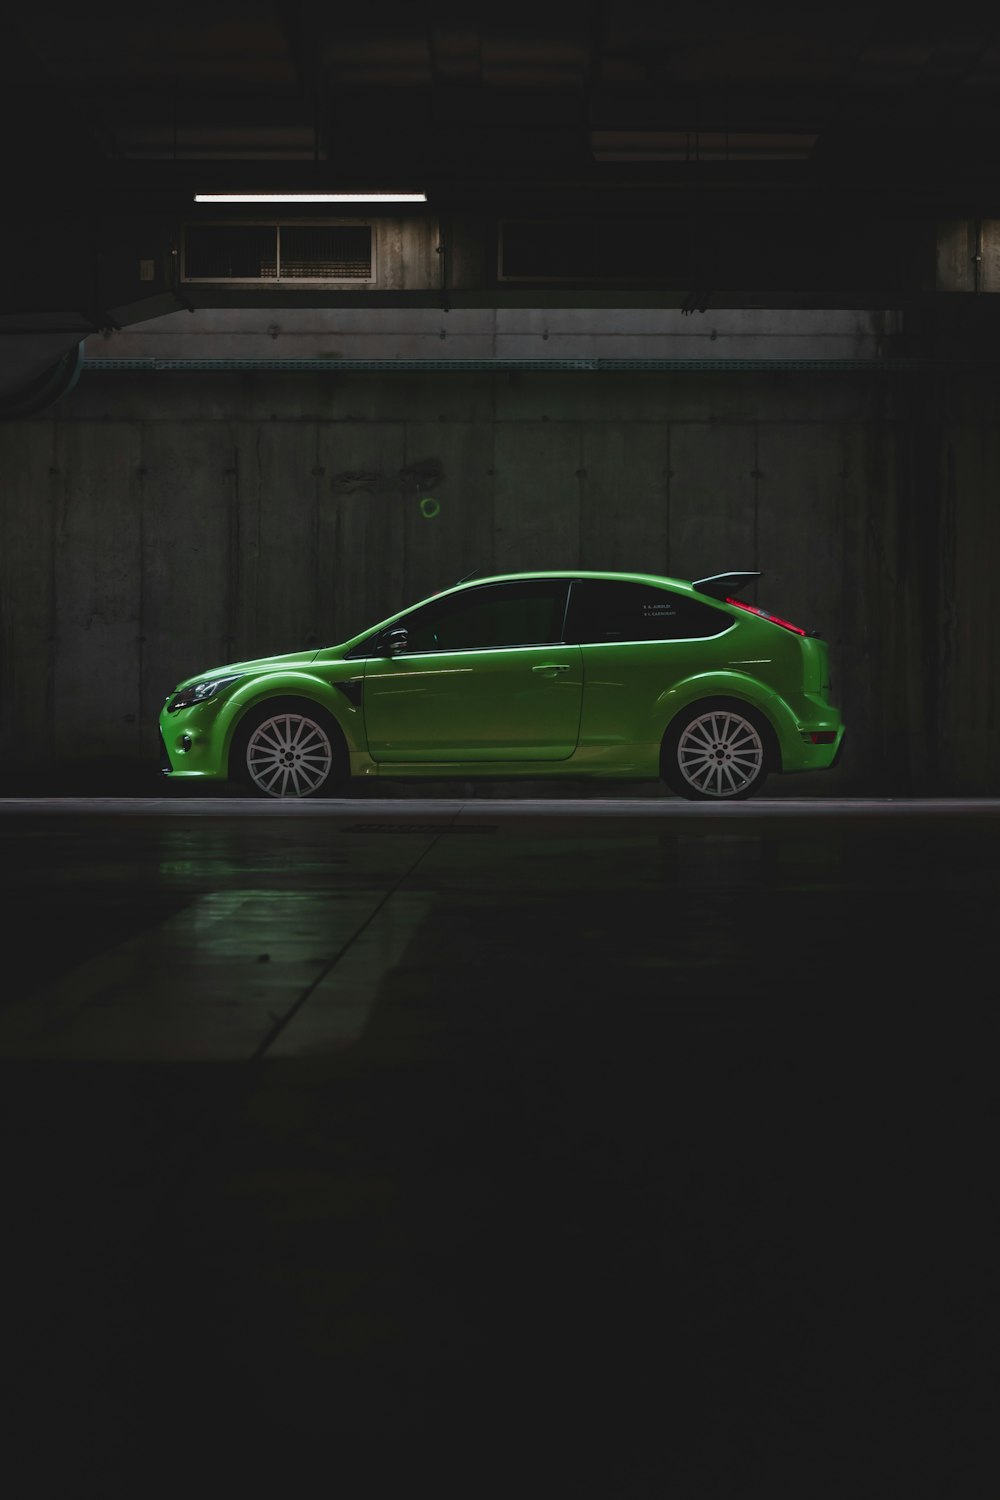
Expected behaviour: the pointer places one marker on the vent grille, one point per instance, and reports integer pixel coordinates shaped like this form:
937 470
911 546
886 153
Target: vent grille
341 252
244 252
585 250
278 252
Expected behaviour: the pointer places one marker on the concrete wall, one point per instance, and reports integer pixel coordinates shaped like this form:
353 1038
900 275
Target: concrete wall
309 332
155 524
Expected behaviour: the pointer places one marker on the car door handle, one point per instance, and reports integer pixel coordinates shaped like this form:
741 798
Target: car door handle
551 668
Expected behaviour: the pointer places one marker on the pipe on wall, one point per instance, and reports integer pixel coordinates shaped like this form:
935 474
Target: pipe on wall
46 389
530 366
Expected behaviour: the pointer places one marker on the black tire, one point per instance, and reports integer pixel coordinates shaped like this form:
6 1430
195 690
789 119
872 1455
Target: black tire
289 747
718 750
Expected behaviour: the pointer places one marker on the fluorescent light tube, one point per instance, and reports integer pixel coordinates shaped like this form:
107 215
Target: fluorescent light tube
310 197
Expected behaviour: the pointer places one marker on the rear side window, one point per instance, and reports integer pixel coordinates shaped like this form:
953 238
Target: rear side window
604 611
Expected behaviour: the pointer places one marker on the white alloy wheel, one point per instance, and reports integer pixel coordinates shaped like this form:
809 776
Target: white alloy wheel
289 755
720 753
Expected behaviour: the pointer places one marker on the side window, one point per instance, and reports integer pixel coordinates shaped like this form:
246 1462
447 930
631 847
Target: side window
604 611
499 614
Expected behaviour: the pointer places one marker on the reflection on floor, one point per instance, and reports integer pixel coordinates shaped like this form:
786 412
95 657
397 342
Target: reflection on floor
614 1150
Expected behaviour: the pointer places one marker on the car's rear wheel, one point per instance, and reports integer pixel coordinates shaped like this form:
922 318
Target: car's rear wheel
718 750
289 748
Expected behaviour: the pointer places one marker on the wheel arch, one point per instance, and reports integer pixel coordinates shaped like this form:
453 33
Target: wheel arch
292 693
726 697
735 689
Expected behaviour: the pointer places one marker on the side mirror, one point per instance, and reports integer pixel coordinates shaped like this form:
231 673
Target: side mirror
394 642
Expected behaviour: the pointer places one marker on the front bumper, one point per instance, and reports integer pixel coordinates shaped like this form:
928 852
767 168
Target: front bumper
188 746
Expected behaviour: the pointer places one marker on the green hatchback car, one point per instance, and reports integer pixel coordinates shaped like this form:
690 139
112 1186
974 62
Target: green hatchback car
627 676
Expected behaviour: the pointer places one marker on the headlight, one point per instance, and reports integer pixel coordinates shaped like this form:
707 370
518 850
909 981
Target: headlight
200 693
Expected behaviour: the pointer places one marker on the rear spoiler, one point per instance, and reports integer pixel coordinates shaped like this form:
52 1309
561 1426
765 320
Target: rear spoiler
721 584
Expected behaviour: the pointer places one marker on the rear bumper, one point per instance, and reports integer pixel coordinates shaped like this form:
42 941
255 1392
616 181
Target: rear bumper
811 757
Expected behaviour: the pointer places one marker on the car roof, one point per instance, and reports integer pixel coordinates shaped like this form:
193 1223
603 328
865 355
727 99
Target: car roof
472 581
543 573
717 586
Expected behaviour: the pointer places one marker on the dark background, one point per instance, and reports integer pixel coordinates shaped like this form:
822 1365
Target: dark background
589 1151
691 291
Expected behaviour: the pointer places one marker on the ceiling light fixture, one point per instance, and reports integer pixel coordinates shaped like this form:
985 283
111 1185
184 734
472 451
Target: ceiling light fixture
310 197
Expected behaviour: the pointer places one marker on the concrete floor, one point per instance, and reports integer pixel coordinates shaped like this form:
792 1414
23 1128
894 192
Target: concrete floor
563 1148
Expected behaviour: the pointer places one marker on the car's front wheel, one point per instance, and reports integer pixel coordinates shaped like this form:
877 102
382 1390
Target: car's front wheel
717 750
288 748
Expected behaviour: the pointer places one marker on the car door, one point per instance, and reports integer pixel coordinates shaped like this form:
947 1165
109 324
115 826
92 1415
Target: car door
485 676
637 640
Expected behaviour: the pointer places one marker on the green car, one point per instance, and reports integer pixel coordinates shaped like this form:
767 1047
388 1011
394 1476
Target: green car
627 676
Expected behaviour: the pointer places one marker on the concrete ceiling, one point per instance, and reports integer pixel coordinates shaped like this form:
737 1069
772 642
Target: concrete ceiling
112 118
136 108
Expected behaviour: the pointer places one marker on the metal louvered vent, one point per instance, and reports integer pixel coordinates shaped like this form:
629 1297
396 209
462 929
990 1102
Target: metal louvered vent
588 250
278 252
326 252
231 252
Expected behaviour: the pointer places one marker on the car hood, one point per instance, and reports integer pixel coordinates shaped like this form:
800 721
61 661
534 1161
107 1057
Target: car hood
258 664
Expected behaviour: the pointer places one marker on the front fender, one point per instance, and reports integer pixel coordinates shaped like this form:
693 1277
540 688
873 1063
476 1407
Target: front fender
294 684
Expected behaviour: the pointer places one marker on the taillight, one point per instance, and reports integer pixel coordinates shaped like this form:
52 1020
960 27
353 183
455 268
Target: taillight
774 619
